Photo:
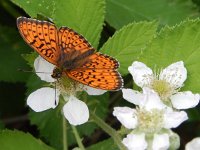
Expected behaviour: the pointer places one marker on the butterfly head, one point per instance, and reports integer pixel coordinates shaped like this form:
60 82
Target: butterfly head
57 73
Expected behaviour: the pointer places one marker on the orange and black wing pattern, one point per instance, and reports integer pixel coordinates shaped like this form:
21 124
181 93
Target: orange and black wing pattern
42 36
100 72
73 45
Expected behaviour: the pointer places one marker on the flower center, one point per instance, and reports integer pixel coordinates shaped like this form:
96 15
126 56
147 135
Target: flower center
163 88
67 86
150 121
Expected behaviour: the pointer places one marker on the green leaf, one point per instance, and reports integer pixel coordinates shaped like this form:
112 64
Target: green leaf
120 12
17 140
50 122
84 17
179 43
126 44
43 7
2 126
12 47
103 145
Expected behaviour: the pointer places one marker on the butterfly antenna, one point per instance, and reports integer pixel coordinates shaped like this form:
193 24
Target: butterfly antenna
31 71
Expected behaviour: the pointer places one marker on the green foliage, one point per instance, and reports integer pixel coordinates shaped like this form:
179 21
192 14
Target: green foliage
126 44
17 140
1 125
10 55
104 145
120 12
135 41
84 17
179 43
50 122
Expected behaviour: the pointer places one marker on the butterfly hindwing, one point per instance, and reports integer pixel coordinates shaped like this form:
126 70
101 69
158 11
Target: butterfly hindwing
100 72
42 36
72 53
101 61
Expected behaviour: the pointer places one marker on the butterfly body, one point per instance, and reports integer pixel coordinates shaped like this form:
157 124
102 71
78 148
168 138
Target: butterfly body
71 53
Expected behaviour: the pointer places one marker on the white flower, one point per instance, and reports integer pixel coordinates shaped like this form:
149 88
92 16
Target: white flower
46 98
193 145
160 142
151 114
139 142
135 142
166 84
126 116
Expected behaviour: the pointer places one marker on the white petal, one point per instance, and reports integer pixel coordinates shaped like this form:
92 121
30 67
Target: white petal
126 116
43 99
76 111
44 69
93 91
132 96
173 119
160 142
151 100
141 73
135 142
194 144
184 100
175 74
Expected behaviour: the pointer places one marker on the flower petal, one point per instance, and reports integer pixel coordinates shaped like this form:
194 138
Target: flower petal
76 111
141 73
126 116
44 69
162 139
173 119
43 99
194 144
93 91
132 96
185 100
135 142
175 74
151 100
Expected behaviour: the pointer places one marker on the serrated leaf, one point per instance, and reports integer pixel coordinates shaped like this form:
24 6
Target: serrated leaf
34 7
175 44
50 121
120 12
84 17
10 55
126 44
30 58
104 145
17 140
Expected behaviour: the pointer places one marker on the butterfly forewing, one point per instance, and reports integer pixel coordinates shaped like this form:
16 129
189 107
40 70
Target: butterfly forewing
42 36
73 45
72 53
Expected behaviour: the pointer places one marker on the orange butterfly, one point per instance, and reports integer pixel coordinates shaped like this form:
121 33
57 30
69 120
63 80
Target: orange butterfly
71 53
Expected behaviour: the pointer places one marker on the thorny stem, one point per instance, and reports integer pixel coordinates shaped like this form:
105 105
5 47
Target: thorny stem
112 132
64 125
78 139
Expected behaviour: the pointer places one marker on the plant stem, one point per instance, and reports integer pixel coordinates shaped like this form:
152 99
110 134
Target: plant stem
109 130
64 125
78 139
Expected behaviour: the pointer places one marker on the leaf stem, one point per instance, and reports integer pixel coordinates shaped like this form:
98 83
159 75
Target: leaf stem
109 130
64 125
78 139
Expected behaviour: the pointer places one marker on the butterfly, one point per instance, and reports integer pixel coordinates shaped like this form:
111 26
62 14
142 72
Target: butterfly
71 53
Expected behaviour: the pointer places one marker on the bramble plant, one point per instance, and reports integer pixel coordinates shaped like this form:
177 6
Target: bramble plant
158 51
